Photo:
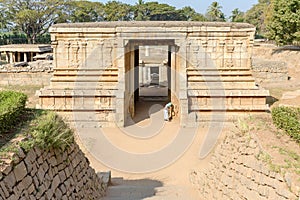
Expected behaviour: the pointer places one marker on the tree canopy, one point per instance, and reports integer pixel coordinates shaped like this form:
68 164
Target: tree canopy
257 16
284 23
236 16
214 12
275 19
32 17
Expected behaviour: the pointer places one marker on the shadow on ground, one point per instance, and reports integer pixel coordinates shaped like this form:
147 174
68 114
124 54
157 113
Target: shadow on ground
143 110
132 189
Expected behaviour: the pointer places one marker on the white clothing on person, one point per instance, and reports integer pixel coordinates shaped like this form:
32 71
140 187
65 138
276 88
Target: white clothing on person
166 111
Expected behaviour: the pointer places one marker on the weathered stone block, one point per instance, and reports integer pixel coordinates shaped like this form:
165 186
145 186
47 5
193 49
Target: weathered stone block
7 169
26 182
4 189
41 174
31 189
55 182
52 161
9 181
20 171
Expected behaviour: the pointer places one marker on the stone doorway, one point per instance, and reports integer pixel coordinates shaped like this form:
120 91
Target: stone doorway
150 76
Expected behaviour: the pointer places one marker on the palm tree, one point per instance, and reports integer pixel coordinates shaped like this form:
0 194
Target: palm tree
236 16
214 12
139 15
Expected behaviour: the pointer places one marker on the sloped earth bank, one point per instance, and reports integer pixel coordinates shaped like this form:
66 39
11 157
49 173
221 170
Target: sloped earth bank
251 163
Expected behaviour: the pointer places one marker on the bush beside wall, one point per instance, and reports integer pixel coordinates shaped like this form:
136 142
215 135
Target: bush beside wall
287 119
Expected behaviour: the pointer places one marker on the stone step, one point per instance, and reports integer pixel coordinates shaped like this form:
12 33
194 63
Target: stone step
217 69
85 73
229 108
105 177
76 93
206 118
154 98
221 85
229 93
130 191
84 69
219 73
84 79
205 78
84 85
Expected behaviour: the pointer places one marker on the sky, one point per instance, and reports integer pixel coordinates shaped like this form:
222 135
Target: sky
201 5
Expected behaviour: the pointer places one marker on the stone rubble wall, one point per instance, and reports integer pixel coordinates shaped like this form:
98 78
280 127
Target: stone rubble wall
272 63
25 78
36 73
268 70
234 172
53 174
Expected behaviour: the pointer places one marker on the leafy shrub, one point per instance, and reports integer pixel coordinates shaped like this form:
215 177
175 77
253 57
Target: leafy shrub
12 105
287 119
49 131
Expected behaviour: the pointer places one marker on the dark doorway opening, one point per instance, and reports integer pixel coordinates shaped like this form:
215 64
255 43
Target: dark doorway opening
152 79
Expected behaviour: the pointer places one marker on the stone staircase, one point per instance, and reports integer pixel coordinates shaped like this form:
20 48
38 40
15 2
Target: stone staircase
146 189
83 95
224 92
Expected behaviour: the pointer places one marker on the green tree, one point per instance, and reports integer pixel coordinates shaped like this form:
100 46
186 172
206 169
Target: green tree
82 11
190 14
284 23
3 18
214 12
236 16
117 11
32 17
139 9
257 16
155 11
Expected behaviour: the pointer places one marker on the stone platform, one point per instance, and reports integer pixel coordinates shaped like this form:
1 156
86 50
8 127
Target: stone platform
96 70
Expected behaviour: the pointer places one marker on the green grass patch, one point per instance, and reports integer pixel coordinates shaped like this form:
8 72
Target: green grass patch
27 128
12 105
287 119
266 158
48 131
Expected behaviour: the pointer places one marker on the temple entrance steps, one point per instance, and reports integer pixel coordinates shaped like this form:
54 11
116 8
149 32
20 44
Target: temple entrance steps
144 189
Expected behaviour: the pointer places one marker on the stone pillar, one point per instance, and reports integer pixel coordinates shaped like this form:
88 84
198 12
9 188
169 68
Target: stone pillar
25 57
18 57
30 57
7 57
11 57
172 83
83 53
131 81
54 46
119 62
181 62
67 52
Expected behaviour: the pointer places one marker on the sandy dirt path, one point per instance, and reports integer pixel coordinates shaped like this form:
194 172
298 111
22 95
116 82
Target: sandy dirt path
170 182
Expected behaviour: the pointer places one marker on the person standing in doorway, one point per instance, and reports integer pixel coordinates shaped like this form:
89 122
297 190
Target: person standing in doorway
168 111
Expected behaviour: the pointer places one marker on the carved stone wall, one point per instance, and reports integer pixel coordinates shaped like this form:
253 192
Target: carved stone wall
94 69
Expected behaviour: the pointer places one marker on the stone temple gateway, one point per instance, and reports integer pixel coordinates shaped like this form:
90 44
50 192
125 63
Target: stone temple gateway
96 70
